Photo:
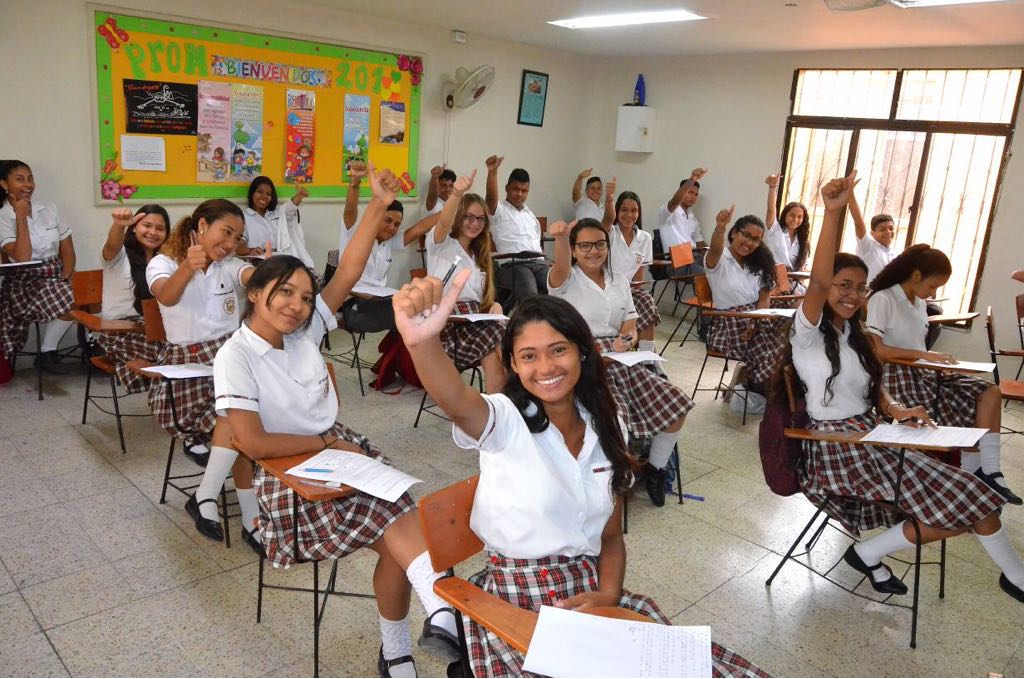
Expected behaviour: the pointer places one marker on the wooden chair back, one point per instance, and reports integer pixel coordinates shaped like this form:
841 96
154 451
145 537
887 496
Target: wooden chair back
417 273
444 518
1019 301
543 224
702 289
788 375
153 321
87 288
334 380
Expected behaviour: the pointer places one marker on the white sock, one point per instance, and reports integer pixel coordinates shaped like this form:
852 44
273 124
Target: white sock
422 577
872 550
1004 555
53 333
661 448
647 345
217 470
970 462
988 449
250 509
396 641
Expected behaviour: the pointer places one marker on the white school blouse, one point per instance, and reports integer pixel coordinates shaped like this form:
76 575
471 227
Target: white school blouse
604 310
210 306
784 250
534 499
874 254
45 228
731 284
896 320
118 288
678 226
440 257
626 259
514 230
290 387
850 389
585 208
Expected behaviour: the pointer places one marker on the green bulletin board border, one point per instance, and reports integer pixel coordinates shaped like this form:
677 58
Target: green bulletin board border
105 100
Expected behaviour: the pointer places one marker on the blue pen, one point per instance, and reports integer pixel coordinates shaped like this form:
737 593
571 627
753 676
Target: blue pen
698 498
313 470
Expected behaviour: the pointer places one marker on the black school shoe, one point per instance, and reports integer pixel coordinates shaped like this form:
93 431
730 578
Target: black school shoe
1010 588
990 479
384 666
249 538
206 527
438 641
199 458
891 586
654 480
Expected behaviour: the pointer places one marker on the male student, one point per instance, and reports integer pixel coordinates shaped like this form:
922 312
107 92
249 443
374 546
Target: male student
515 229
678 223
588 205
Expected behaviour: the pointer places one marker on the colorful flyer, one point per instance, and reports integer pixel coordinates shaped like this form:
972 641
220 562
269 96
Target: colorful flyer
154 107
246 131
356 134
299 146
213 131
392 122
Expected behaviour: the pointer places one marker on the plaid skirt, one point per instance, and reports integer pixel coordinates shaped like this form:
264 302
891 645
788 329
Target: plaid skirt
950 398
760 352
327 530
532 583
122 347
646 310
467 343
648 402
28 296
936 494
193 398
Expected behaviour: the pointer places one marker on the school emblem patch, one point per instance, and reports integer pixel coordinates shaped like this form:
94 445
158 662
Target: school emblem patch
229 305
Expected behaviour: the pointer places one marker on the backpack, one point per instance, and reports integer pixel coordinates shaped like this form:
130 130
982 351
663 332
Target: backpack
781 458
394 362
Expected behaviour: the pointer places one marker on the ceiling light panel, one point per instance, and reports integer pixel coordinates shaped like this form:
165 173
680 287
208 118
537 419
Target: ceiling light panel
628 19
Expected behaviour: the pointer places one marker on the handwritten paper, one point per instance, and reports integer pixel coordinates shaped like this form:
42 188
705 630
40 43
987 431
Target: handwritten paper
358 471
771 313
182 371
571 644
143 153
21 265
632 357
942 437
959 365
478 318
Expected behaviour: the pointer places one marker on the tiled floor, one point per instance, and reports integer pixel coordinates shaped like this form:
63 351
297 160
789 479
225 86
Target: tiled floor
99 579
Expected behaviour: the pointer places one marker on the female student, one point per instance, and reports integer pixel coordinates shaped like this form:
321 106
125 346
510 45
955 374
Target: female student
741 273
654 408
551 447
267 221
842 378
789 236
897 323
132 241
276 398
33 230
631 250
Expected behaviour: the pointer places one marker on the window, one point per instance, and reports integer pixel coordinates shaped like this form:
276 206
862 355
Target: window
929 147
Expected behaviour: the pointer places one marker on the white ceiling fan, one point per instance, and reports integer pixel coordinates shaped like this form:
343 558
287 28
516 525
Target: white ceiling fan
855 5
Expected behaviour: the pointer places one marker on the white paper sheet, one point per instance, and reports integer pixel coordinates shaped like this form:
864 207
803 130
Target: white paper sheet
143 153
963 365
374 290
477 318
632 357
570 644
771 313
947 437
182 371
21 265
356 470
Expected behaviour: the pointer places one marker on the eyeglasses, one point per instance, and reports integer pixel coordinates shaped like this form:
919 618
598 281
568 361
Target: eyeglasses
848 288
753 239
474 219
585 245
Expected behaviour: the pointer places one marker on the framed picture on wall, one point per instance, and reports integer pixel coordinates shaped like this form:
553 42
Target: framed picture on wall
533 95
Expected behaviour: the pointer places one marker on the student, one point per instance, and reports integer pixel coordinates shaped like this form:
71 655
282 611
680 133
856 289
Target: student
462 233
132 241
678 224
631 250
788 236
267 221
438 190
550 447
515 229
843 381
589 205
875 249
897 322
654 408
33 230
742 275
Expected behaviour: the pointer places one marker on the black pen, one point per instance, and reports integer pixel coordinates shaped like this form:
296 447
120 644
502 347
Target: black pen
451 271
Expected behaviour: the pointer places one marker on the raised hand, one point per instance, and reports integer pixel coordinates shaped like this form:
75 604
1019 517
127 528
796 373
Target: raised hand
22 208
698 173
772 180
585 173
463 184
436 171
357 170
493 163
195 257
384 184
560 229
422 308
836 193
723 217
610 188
124 219
300 193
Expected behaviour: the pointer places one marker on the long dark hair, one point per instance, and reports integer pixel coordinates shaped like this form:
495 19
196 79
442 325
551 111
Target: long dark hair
592 390
803 234
6 168
255 184
591 223
629 195
177 243
137 254
858 341
277 270
759 262
920 257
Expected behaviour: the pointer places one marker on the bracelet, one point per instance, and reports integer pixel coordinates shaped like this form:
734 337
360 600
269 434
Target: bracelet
323 441
891 404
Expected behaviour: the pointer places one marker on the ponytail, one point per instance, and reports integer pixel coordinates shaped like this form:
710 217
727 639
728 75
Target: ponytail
209 211
921 257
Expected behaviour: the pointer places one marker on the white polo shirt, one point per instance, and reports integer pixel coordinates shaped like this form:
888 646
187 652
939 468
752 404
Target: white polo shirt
290 387
534 498
438 206
514 230
784 250
874 254
586 208
210 306
45 228
731 284
678 226
626 259
118 288
850 389
896 320
604 310
441 257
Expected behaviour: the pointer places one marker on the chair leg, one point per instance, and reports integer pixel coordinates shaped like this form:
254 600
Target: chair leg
625 513
917 582
674 331
117 411
463 647
259 592
88 384
39 361
223 511
792 547
167 471
356 341
679 472
696 387
316 618
721 378
942 570
746 401
423 402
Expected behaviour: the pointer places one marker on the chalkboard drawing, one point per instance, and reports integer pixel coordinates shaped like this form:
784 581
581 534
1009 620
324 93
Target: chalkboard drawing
171 103
154 107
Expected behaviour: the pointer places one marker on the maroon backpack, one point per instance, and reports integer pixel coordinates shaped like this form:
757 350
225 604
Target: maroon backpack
394 362
781 458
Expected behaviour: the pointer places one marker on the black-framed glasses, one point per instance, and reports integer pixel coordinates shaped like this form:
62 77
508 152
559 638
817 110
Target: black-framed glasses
756 240
586 245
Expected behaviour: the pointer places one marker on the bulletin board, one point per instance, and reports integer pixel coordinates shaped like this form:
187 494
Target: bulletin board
186 111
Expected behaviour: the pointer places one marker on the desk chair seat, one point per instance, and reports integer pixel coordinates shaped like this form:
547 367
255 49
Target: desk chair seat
1010 390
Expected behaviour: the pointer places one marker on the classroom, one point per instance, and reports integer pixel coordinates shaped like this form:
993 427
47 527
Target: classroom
283 280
